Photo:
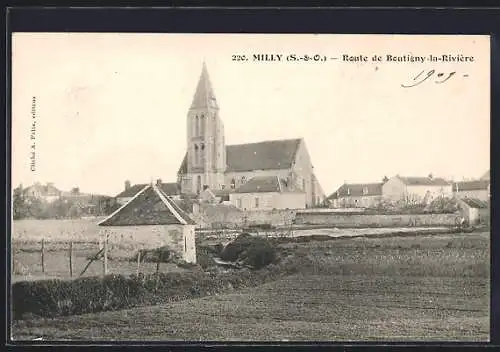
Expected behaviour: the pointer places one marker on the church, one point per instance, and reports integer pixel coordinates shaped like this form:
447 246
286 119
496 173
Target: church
211 164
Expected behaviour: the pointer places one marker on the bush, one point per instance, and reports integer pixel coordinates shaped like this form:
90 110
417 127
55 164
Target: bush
249 250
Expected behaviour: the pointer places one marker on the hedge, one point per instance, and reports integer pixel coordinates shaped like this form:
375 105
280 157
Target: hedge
51 298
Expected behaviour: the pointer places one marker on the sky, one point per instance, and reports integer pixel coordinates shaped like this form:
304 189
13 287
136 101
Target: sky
113 107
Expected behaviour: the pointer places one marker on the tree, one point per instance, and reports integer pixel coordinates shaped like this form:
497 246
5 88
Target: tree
19 210
385 179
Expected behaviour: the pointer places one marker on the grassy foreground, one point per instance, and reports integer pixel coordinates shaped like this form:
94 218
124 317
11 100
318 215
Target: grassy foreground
396 289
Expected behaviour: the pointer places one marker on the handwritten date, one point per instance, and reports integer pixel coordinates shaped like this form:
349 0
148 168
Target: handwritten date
424 75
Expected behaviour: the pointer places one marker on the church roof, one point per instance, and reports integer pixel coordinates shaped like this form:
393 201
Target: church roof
267 155
266 184
150 206
204 97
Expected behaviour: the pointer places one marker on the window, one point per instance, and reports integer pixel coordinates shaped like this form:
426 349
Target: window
196 154
365 190
233 183
239 203
203 122
256 202
348 192
185 244
198 184
197 126
243 179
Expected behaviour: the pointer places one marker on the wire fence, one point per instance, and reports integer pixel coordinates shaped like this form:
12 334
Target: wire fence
70 260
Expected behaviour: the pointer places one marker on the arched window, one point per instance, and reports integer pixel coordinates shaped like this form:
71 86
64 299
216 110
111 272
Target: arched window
233 183
202 153
203 122
243 179
197 126
196 154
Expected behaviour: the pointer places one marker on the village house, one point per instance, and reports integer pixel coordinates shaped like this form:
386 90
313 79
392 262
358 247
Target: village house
48 192
479 189
209 162
171 189
355 195
151 219
416 189
268 193
475 211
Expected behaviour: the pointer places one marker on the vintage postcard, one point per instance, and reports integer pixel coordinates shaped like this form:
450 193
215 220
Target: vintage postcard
250 187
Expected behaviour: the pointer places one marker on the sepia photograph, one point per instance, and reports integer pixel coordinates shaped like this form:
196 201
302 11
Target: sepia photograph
250 187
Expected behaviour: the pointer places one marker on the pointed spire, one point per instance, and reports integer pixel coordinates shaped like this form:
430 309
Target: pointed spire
204 96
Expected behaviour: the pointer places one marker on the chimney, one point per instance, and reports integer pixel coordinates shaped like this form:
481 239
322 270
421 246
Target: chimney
158 182
127 184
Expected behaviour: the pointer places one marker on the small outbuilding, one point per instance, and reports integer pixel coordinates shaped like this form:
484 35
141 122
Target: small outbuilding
151 219
475 211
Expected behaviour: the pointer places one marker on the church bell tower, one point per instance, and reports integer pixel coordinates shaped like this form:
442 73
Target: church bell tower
206 155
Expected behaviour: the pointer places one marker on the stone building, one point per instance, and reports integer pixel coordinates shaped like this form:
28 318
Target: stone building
479 189
416 189
356 195
209 162
268 193
151 219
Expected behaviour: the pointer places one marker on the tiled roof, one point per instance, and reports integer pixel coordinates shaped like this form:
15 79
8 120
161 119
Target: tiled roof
475 203
267 155
264 184
424 181
475 185
358 190
170 189
150 206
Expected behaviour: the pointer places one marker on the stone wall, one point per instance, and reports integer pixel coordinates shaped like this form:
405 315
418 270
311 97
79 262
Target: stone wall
375 220
130 239
222 216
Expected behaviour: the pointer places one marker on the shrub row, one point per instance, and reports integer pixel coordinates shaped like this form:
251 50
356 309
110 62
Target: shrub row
51 298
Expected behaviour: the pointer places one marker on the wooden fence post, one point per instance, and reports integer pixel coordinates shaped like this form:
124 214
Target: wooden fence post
71 259
105 265
138 261
43 256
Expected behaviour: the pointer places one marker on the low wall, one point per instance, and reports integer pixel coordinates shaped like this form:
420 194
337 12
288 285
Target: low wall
375 220
216 217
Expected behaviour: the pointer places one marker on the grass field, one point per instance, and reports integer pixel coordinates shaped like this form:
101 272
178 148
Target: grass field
394 289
